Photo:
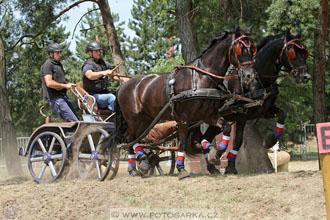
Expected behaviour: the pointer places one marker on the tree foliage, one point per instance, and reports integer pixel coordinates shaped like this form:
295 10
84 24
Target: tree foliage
153 23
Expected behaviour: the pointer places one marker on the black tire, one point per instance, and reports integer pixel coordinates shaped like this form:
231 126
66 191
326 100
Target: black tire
47 150
115 164
161 158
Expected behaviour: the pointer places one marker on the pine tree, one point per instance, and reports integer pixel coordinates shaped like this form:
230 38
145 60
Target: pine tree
153 23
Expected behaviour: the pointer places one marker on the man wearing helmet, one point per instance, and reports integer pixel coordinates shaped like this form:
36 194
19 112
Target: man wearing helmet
94 73
55 85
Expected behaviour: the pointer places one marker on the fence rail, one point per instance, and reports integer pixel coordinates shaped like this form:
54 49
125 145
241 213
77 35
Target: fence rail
308 139
20 141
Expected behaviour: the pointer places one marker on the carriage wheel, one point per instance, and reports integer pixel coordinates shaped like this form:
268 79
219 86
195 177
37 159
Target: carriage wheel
161 159
165 159
115 164
46 157
91 161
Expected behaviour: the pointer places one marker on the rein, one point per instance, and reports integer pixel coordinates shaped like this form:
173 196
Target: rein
229 54
206 72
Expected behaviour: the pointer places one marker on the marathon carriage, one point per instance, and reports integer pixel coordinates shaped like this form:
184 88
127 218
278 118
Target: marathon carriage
52 146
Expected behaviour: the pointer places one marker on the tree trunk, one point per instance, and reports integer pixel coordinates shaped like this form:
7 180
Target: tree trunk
188 37
320 64
252 156
7 130
110 31
227 7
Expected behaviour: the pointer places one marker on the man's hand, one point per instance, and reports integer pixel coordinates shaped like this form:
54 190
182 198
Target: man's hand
70 85
108 73
124 79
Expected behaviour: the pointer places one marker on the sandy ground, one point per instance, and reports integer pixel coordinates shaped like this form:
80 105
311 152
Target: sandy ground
297 194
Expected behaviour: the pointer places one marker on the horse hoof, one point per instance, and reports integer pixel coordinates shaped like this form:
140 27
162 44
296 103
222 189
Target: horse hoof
183 174
212 169
144 165
134 173
230 169
212 157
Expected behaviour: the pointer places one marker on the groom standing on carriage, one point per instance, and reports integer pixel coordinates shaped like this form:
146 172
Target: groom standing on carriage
55 85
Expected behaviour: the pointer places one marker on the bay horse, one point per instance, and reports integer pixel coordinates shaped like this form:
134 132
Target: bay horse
274 52
187 95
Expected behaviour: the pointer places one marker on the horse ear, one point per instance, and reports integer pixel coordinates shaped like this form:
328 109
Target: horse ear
249 30
288 35
299 34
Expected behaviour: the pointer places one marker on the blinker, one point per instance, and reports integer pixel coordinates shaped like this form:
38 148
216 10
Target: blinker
237 50
291 54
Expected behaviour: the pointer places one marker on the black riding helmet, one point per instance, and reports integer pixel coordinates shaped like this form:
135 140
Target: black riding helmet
54 47
93 45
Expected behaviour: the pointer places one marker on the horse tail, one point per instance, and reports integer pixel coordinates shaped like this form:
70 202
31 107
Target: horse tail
118 136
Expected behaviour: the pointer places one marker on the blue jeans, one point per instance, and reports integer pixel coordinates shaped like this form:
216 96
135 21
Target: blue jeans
105 101
63 107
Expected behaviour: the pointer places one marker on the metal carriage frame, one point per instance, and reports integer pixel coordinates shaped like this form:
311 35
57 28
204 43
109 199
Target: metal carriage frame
50 146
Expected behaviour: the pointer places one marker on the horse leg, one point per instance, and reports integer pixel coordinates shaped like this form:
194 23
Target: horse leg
206 146
220 151
183 130
136 152
239 129
142 158
273 138
132 163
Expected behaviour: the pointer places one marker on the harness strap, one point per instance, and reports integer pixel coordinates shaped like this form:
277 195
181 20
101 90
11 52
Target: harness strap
206 72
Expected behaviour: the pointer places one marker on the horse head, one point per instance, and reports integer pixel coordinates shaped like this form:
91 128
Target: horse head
241 54
293 56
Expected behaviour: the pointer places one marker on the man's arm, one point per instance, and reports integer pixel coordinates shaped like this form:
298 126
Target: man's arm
120 79
95 75
55 85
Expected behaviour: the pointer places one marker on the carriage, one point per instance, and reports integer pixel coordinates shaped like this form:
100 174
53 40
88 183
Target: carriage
53 146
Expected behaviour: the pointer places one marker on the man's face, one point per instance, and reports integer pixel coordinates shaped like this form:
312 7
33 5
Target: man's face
57 55
96 54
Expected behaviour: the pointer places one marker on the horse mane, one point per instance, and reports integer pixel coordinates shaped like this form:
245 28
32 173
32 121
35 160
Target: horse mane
214 41
267 39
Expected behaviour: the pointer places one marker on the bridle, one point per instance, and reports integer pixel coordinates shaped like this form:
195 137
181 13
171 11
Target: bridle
291 54
237 51
235 46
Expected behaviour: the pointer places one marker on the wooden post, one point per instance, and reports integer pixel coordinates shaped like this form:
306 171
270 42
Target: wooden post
323 142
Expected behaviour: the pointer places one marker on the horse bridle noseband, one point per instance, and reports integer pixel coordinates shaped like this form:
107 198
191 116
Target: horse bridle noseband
294 69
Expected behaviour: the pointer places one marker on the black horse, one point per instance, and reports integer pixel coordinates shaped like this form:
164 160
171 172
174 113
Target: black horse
187 95
274 52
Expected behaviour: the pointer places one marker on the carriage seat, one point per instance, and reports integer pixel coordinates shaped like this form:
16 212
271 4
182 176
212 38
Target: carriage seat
90 101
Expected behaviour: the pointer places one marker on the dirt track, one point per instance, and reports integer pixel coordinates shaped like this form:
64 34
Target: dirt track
297 194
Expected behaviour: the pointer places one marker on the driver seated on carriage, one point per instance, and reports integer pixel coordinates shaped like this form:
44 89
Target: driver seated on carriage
94 74
95 82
